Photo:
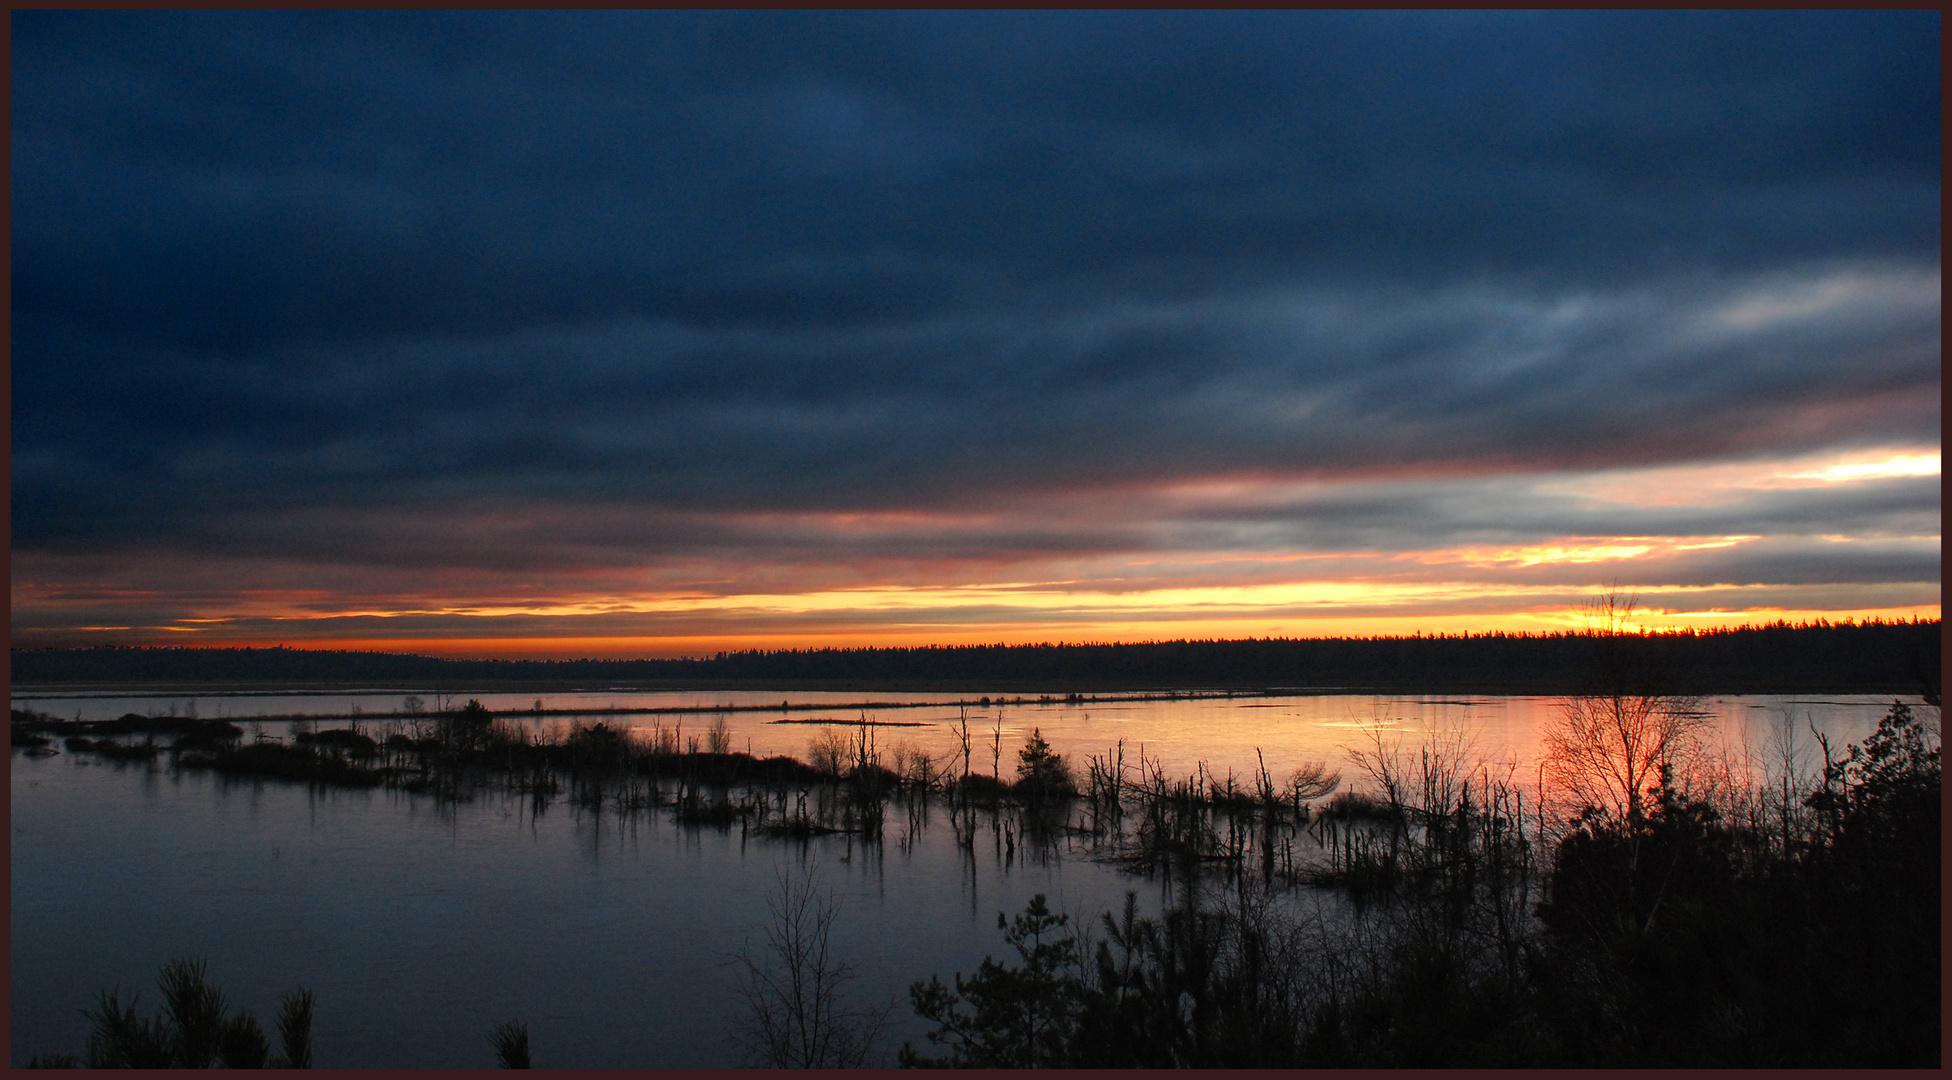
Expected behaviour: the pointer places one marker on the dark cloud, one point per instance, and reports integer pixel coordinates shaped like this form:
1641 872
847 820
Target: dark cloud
1417 516
225 179
514 291
965 412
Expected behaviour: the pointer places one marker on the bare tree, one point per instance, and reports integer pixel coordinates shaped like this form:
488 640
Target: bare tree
1310 780
413 706
829 752
796 1013
1606 750
1609 752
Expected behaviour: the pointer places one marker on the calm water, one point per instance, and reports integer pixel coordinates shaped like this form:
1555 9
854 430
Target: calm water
1221 733
421 926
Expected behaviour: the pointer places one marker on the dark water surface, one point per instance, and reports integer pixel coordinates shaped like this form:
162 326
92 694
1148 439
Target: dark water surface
420 925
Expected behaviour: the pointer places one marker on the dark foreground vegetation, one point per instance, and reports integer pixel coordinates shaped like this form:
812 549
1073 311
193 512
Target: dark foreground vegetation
1870 657
1784 927
195 1030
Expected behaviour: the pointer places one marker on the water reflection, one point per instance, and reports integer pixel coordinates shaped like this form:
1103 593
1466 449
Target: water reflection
1222 731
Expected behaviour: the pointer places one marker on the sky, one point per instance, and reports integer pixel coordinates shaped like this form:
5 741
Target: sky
659 334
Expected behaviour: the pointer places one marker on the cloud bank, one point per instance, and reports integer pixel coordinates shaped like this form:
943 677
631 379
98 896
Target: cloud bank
443 319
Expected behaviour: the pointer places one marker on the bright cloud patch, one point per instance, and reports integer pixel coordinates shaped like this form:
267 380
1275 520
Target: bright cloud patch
1722 482
1902 465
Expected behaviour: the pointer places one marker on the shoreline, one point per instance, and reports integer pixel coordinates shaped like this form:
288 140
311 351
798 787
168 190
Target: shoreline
1014 694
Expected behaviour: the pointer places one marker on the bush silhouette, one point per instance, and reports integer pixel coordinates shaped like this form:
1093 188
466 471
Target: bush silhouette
193 1030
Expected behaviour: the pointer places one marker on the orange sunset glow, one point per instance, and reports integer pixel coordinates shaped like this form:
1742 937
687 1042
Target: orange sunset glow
1683 579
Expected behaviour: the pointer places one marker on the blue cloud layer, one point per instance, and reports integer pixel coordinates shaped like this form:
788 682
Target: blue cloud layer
372 267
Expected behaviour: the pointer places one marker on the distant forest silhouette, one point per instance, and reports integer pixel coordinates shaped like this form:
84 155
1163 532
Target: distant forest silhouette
1846 657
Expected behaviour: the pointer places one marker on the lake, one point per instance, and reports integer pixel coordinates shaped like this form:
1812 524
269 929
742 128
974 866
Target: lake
420 925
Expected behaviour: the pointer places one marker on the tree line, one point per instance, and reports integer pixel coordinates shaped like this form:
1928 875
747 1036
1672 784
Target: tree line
1820 657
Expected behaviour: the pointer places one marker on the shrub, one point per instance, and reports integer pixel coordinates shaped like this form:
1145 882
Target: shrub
192 1031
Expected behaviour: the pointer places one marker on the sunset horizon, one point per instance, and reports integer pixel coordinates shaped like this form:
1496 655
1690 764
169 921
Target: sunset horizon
581 648
1540 587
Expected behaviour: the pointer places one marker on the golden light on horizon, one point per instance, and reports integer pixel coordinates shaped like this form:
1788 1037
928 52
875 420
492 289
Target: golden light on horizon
1238 578
1029 598
627 646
